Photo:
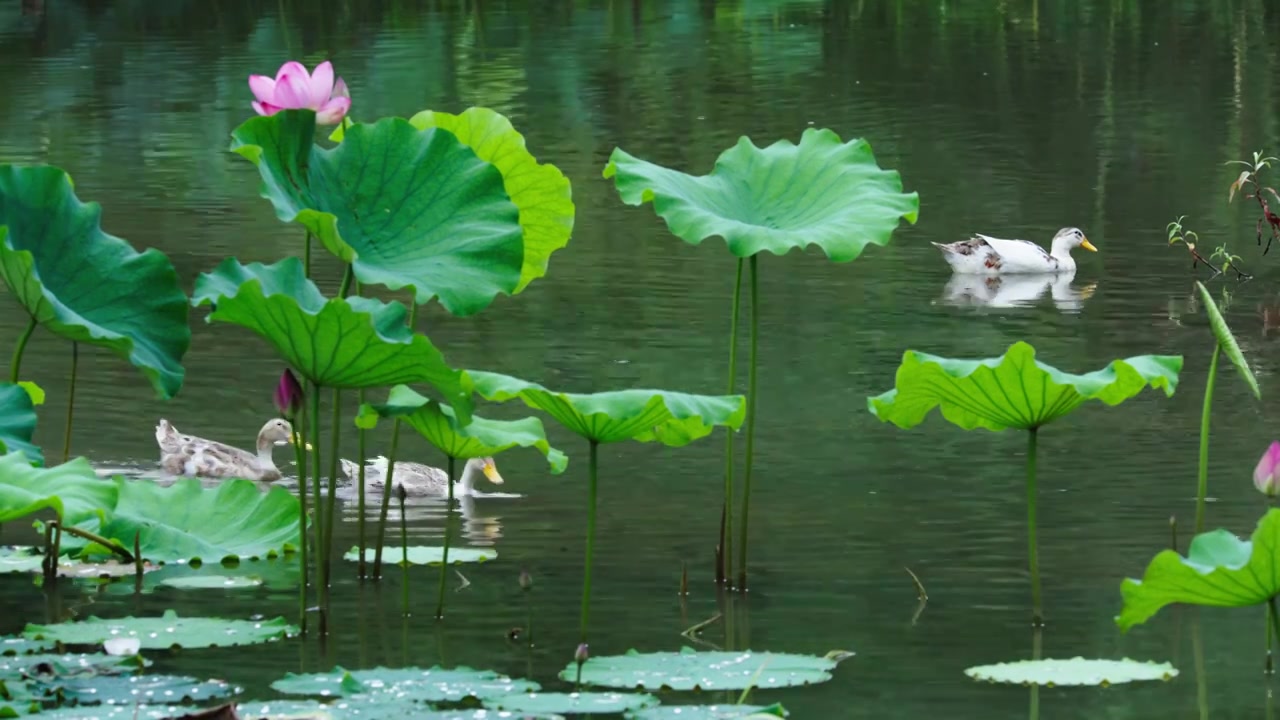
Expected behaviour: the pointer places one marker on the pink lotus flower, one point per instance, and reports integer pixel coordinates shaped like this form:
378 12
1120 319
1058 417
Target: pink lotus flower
295 89
1266 477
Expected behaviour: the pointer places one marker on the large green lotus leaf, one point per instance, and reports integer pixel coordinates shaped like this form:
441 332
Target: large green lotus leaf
670 418
577 703
11 646
821 192
120 712
73 490
188 521
370 707
18 422
439 425
708 712
86 285
1014 390
432 685
1227 340
1220 570
167 631
1076 671
134 689
344 343
688 669
423 554
68 665
280 573
406 207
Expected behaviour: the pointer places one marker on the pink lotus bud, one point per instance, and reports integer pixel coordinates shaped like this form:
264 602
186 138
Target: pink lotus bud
1266 476
288 395
580 656
295 89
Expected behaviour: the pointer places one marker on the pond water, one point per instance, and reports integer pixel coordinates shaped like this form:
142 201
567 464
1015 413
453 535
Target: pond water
1012 118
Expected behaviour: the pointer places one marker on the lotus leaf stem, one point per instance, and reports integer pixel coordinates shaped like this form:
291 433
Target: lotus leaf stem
360 453
315 491
444 558
724 568
592 470
300 453
751 423
1033 555
53 549
15 365
1273 629
335 434
71 402
306 256
1202 485
347 276
404 549
391 472
111 545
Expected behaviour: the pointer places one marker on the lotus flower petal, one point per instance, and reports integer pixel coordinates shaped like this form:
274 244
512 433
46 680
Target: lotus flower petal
292 90
263 108
293 67
1265 474
321 84
332 112
340 89
263 87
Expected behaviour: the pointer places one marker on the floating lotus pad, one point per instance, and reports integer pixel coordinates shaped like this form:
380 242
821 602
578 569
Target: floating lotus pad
88 286
363 707
72 490
424 554
188 521
432 685
134 689
20 559
14 646
69 664
821 192
1220 570
166 631
1076 671
120 712
18 422
707 712
578 703
689 669
212 582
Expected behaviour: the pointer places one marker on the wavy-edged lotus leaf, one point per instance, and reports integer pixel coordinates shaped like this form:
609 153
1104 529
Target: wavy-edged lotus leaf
688 669
1227 340
14 646
423 554
213 582
86 285
342 343
120 712
164 632
708 712
188 521
133 689
1075 671
439 425
431 685
72 490
821 192
670 418
370 707
34 391
50 667
18 422
405 207
1012 391
578 703
1220 570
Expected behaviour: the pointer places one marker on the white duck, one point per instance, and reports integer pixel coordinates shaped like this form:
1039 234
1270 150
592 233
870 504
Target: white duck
419 479
984 255
190 455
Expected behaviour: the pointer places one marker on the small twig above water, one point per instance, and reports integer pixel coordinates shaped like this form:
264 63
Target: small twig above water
921 595
692 632
465 582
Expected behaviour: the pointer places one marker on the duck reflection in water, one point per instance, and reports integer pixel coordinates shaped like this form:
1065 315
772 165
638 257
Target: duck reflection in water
1016 291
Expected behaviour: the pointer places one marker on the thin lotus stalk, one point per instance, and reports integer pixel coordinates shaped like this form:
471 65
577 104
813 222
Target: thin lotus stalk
71 402
724 564
53 549
391 472
315 489
1271 635
15 365
1202 680
306 256
111 545
592 471
362 571
444 557
751 423
1033 554
300 453
335 435
1202 484
404 550
137 559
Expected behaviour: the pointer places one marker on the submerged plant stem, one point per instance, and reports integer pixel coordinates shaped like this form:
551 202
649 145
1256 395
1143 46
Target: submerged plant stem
724 570
15 365
592 469
391 473
300 455
751 424
71 402
1033 554
444 559
1202 485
